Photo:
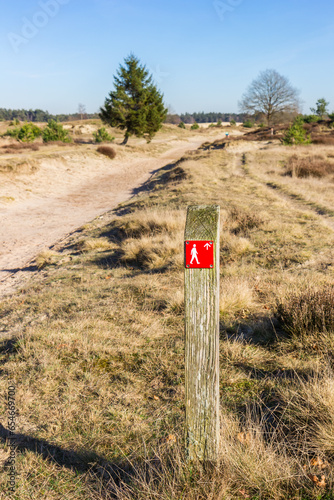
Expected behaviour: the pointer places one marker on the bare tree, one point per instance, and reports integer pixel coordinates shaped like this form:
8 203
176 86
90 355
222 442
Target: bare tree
271 94
81 110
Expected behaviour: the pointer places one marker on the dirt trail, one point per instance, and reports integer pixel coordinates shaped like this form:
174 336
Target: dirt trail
67 190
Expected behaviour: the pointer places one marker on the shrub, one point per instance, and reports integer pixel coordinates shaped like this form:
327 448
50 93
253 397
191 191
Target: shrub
107 151
14 148
233 122
296 133
219 123
194 126
181 125
12 132
323 139
248 124
311 118
29 132
55 132
102 135
315 166
311 311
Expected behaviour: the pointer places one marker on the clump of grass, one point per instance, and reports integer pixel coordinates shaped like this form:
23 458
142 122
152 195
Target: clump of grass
236 297
310 166
96 244
150 222
46 258
308 312
157 252
107 151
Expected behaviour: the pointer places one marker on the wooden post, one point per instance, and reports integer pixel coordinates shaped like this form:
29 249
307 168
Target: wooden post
202 334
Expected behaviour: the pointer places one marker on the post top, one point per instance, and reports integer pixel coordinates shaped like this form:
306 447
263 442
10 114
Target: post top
202 222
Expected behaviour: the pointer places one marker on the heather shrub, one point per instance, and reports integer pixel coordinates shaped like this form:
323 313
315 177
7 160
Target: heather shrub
310 166
323 139
107 151
311 311
55 132
102 135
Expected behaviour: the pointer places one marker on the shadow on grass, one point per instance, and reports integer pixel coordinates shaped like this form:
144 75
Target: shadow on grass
82 462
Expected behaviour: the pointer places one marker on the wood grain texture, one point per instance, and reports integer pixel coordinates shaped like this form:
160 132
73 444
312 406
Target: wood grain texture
202 340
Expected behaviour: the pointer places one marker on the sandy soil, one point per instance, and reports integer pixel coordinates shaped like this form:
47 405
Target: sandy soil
67 189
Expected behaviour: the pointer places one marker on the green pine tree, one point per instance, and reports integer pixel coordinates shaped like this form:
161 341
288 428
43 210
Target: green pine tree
135 105
321 108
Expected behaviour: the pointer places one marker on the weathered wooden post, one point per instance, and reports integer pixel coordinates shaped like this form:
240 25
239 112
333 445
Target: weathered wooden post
202 332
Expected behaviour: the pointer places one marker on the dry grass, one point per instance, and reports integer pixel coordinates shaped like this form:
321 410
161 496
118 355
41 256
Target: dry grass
46 258
95 345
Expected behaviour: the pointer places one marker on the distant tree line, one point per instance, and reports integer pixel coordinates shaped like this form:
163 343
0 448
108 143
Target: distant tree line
38 115
205 117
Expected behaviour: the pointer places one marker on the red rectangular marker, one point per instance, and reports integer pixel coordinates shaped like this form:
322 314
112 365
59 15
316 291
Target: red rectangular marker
199 254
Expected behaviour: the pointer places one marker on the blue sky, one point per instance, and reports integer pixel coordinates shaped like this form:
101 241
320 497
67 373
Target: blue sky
202 53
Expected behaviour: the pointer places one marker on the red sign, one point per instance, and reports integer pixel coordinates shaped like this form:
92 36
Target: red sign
199 254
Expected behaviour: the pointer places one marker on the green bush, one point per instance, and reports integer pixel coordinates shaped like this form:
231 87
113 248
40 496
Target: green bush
248 124
194 126
181 125
14 122
296 133
102 135
27 133
12 132
311 118
233 122
219 123
54 132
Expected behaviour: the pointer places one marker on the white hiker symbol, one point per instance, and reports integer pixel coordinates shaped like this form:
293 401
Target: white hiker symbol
207 246
194 254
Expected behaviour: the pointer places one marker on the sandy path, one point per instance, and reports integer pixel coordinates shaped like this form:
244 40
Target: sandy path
66 192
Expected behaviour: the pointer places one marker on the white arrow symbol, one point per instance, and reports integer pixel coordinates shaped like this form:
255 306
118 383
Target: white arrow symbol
207 246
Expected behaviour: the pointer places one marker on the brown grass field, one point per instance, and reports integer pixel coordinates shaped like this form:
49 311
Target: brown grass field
94 343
